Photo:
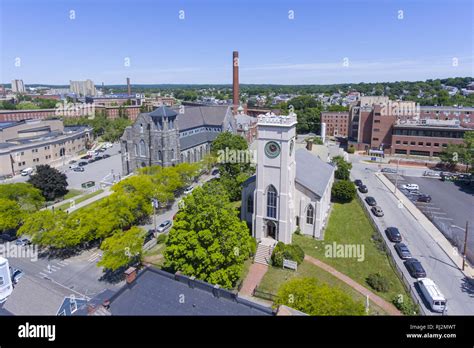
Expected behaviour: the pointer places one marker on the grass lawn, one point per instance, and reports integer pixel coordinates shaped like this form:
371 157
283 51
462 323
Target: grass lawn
154 256
80 199
348 224
72 193
275 277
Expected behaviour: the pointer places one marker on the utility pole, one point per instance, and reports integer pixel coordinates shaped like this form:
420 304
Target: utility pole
396 177
465 247
154 203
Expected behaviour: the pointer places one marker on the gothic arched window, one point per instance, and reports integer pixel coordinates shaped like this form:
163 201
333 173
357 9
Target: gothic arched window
172 154
142 148
160 158
310 215
272 197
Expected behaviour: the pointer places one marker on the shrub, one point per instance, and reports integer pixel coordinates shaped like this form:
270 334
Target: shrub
351 149
162 238
289 252
379 243
343 191
298 231
378 282
404 306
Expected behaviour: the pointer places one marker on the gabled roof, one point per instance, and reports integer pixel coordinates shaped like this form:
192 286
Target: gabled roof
312 172
198 116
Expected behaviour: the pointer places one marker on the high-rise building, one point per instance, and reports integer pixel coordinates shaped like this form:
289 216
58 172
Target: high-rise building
82 88
18 86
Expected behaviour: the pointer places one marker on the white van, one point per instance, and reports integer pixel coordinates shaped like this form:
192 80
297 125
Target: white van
432 295
26 171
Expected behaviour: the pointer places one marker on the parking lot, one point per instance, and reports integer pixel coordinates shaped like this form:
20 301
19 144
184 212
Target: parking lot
450 207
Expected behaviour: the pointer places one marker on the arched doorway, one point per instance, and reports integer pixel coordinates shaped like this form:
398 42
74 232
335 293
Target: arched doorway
271 230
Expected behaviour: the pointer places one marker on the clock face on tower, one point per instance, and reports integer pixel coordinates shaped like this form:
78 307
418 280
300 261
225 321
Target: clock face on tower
272 149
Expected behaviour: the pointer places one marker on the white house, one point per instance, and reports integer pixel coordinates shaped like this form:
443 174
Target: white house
291 189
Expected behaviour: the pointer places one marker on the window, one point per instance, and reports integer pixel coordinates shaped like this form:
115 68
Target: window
250 204
436 144
400 151
271 202
376 130
445 145
172 154
375 139
428 144
159 156
376 121
310 215
420 143
398 142
142 148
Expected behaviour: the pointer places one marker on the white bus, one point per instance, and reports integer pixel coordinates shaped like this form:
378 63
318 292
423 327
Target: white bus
432 295
6 286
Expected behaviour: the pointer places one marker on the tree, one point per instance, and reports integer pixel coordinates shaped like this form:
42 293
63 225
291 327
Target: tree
311 297
122 248
454 154
343 191
342 171
50 181
11 215
208 240
26 195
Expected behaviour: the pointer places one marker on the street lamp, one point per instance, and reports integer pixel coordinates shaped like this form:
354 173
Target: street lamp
396 177
155 205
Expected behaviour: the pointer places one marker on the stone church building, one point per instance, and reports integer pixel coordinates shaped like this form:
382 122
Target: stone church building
167 136
291 189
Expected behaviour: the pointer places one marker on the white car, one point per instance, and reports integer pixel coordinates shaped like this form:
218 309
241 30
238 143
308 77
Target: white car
411 187
188 190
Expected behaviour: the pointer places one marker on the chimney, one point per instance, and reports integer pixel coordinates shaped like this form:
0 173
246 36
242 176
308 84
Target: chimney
235 81
129 89
130 275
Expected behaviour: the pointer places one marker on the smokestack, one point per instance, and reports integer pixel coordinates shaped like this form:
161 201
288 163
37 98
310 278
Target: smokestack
235 81
129 89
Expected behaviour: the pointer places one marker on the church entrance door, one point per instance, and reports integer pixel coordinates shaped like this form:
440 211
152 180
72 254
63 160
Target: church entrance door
271 230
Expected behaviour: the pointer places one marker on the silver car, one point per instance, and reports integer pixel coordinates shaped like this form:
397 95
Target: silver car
164 226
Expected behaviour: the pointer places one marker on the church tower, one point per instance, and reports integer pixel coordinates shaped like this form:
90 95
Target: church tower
275 181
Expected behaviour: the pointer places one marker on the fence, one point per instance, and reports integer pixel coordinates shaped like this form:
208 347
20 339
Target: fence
391 259
264 295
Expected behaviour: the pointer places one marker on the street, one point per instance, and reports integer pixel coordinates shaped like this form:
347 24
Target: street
439 267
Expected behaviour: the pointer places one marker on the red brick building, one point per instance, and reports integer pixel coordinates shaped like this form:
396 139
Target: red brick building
337 123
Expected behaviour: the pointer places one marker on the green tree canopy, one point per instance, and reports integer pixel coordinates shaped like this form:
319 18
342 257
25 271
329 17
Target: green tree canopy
50 181
208 240
11 215
311 297
343 191
26 195
122 248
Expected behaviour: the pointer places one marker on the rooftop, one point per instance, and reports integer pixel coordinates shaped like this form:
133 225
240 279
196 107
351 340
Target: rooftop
155 292
312 172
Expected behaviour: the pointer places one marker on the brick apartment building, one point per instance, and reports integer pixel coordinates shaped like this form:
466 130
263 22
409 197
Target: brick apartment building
376 123
337 123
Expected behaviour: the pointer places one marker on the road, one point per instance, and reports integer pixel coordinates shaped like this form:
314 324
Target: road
438 265
102 170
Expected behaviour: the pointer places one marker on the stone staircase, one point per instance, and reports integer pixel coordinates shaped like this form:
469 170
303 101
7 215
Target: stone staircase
263 254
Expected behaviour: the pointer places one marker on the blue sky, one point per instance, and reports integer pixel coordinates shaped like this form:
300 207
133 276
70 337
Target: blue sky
162 48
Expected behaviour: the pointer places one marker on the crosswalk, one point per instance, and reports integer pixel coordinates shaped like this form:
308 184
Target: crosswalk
53 267
94 257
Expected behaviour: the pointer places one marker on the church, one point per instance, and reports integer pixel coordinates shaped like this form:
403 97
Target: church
291 189
167 136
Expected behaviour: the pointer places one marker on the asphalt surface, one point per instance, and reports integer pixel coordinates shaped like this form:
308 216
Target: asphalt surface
439 267
105 170
451 206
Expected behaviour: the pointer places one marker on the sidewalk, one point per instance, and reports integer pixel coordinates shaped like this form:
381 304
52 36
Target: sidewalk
437 236
386 306
254 277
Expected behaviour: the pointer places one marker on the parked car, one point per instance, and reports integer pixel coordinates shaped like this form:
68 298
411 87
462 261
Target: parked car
98 158
22 242
149 236
15 274
371 201
389 170
414 193
72 162
164 226
402 251
377 211
424 198
92 160
85 157
363 189
358 182
215 171
393 234
411 187
7 237
431 173
82 164
105 156
432 295
72 166
78 169
26 171
188 190
415 268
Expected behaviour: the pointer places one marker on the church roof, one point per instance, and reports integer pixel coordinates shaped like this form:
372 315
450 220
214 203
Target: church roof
312 172
196 139
163 111
198 116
